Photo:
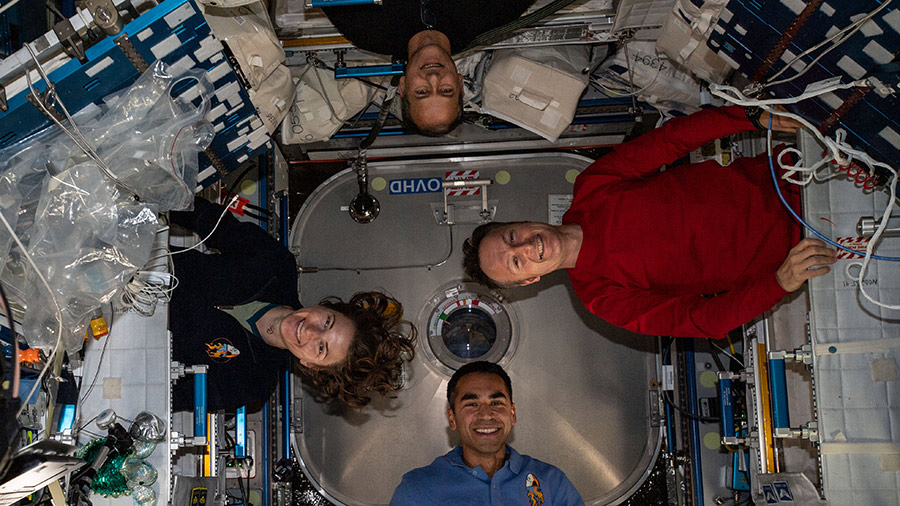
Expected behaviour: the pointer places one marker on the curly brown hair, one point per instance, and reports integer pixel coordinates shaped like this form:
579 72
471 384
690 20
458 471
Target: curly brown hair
375 360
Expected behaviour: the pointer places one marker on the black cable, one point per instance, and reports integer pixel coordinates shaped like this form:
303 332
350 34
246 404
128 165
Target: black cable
379 121
241 486
716 359
256 208
254 216
10 404
55 10
12 333
97 372
230 440
687 413
666 353
85 424
502 32
230 191
250 459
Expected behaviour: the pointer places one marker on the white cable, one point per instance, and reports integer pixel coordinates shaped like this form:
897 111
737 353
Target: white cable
195 246
716 346
7 6
55 304
616 93
79 140
97 372
143 296
870 247
853 28
154 282
837 147
722 91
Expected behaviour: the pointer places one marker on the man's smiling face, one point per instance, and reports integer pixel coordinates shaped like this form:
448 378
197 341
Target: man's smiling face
520 253
483 413
432 86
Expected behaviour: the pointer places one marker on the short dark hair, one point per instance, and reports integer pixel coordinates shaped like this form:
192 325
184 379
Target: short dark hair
471 263
432 131
382 342
480 366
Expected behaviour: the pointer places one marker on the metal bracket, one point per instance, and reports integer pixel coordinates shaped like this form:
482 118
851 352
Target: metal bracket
179 440
130 52
801 354
50 111
486 213
70 40
297 415
345 72
216 162
229 55
176 370
106 16
656 416
342 71
809 431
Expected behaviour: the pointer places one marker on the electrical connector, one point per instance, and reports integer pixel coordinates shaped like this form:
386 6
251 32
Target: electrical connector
879 87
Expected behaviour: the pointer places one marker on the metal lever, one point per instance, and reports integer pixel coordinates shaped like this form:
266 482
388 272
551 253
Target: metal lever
867 225
485 213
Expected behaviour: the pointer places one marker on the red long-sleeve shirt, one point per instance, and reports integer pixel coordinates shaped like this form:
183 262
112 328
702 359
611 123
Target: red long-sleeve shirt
656 244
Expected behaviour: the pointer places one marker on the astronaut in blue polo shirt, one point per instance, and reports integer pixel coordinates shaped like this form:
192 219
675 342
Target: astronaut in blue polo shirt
483 469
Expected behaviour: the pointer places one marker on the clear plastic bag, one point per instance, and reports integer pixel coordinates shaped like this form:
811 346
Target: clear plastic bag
87 236
152 133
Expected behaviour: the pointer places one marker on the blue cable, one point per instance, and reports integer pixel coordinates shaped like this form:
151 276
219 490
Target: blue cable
807 225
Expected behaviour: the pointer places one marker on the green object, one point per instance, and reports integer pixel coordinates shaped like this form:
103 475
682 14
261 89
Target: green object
712 440
108 481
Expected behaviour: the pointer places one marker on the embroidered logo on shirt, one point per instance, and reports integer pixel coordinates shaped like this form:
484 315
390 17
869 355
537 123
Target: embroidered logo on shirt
221 350
533 490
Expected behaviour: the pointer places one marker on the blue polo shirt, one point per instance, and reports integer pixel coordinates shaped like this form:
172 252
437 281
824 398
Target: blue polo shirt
521 481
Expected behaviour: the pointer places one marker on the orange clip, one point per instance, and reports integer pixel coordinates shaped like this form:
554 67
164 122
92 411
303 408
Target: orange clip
30 355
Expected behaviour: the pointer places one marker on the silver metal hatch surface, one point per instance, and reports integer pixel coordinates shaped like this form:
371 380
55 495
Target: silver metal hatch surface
581 386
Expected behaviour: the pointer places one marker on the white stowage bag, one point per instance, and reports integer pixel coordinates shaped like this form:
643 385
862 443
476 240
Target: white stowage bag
86 235
656 80
683 39
537 89
249 34
273 98
322 104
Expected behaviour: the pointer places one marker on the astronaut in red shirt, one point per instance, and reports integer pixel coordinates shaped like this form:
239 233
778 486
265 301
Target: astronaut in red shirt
693 251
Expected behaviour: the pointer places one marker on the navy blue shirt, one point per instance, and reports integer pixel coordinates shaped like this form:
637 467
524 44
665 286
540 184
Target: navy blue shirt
249 265
387 28
521 481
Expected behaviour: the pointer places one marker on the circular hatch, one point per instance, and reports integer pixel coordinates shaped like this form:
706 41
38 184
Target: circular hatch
465 323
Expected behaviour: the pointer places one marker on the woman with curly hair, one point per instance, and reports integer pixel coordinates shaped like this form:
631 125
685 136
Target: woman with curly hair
237 311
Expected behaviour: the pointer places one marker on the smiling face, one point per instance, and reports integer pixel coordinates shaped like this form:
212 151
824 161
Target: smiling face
432 86
318 336
484 415
520 253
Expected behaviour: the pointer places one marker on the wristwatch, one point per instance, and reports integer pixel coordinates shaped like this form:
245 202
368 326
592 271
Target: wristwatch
753 113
